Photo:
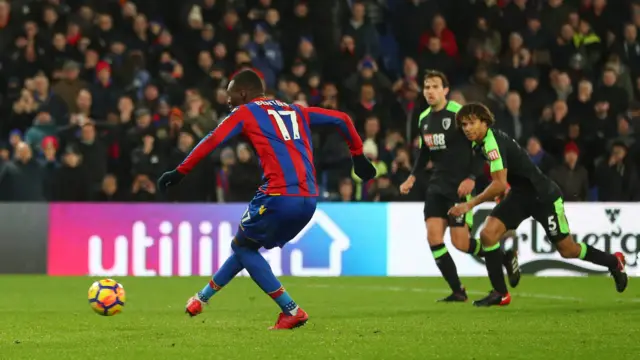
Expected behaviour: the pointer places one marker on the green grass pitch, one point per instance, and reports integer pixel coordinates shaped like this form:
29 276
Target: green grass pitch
350 318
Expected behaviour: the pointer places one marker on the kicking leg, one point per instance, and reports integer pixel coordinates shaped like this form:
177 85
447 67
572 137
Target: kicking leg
569 249
435 237
222 277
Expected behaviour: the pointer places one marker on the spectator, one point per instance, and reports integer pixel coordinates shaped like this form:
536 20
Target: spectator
227 160
43 126
617 177
498 93
628 49
348 58
513 121
147 159
447 38
534 96
345 190
368 73
24 110
625 134
477 86
364 34
409 24
434 57
200 118
543 161
93 149
265 55
70 85
561 83
554 15
143 189
570 176
384 190
623 75
197 185
611 93
71 180
308 56
24 178
515 16
535 38
581 104
5 155
400 167
553 130
47 100
244 176
109 192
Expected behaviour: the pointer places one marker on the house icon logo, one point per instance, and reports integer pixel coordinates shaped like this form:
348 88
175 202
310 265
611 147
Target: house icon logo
316 251
322 237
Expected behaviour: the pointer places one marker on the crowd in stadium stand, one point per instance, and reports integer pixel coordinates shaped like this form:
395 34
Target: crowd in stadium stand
100 97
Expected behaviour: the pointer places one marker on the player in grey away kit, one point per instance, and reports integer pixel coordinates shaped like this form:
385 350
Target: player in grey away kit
452 182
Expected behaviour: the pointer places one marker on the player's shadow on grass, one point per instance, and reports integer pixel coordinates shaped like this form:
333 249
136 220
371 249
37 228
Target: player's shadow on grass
436 312
444 310
575 308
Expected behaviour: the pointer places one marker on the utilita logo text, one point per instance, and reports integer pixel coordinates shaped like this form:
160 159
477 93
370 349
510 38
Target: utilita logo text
174 250
194 249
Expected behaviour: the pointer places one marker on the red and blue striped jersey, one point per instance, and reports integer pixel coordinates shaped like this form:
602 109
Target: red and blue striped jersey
281 135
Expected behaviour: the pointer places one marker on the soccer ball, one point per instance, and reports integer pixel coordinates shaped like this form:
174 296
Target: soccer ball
106 297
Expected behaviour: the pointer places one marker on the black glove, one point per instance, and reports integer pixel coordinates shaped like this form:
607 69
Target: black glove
168 179
363 168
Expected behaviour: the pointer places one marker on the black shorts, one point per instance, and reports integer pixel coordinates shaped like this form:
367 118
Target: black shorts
517 207
437 206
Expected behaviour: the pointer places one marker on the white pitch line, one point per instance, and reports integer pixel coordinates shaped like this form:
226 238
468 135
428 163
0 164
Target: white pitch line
446 291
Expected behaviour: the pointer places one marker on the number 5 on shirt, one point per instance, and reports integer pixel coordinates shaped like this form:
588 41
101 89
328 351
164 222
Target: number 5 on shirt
279 117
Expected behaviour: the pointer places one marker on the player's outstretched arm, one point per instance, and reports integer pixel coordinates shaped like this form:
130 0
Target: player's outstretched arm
228 128
319 116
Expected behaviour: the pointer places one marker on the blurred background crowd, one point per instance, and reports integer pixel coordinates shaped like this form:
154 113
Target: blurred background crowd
99 97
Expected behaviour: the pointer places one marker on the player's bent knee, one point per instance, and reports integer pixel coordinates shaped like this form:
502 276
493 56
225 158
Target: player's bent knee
492 232
434 241
489 237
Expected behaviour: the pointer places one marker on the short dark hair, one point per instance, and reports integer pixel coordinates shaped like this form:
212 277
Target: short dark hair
248 80
430 74
477 110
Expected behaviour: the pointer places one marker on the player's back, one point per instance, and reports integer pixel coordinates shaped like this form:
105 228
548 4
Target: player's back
281 135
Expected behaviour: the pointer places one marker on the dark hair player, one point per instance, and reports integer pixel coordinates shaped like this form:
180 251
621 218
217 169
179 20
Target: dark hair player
532 194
